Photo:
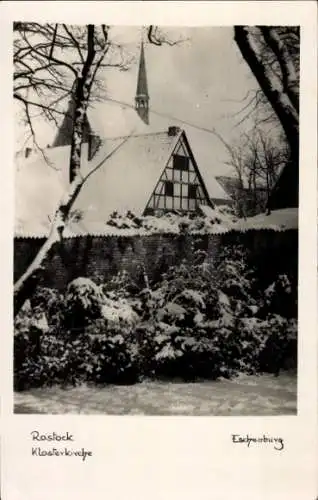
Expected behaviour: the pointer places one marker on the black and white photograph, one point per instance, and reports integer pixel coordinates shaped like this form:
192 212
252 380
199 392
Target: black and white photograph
156 219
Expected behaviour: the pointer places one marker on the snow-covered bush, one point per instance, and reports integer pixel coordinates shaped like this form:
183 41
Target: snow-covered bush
217 219
42 312
280 348
111 356
48 300
122 285
173 352
118 312
83 303
99 355
236 278
124 221
40 361
23 320
280 297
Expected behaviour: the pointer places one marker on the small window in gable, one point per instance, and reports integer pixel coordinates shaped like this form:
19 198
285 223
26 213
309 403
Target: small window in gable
192 191
180 162
169 188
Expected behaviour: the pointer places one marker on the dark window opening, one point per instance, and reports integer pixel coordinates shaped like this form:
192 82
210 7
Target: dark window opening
169 188
180 162
192 191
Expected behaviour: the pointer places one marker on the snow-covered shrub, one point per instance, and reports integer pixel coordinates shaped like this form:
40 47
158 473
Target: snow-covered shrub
280 297
99 355
175 352
280 348
250 336
122 285
185 292
23 320
111 355
173 222
46 299
83 303
236 277
205 290
124 221
42 312
118 311
49 302
40 361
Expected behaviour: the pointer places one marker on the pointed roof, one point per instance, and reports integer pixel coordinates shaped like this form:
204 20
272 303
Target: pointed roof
142 85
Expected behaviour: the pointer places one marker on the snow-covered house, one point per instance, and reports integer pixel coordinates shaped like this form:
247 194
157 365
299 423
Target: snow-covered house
139 169
147 174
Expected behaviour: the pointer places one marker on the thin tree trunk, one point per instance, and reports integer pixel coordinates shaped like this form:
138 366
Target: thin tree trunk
268 191
26 284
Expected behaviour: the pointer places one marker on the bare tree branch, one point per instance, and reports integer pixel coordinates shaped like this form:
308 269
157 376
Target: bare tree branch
45 67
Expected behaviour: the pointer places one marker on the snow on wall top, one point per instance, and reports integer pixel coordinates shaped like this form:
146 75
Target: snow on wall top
215 221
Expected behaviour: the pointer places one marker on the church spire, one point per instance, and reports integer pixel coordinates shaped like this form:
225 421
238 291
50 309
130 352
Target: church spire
142 96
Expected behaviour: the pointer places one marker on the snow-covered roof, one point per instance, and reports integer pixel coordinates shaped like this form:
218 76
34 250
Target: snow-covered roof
278 220
119 119
123 182
215 189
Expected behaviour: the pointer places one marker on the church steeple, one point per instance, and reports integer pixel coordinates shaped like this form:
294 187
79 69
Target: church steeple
142 96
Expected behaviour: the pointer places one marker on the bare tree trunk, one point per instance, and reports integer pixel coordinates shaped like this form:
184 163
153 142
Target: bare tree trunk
268 192
283 100
278 98
290 78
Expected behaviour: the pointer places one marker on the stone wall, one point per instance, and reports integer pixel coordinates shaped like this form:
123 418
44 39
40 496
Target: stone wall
99 258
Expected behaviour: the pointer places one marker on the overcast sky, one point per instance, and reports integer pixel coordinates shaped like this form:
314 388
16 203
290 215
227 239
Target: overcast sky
202 80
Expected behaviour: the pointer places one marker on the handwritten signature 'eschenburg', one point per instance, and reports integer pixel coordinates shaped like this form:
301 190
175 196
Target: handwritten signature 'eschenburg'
278 442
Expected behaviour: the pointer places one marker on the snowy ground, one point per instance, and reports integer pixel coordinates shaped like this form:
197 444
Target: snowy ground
246 395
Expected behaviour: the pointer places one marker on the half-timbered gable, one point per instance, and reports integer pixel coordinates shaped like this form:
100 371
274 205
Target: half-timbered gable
180 186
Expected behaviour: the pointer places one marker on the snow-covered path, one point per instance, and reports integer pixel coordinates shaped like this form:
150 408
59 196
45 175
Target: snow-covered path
247 395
